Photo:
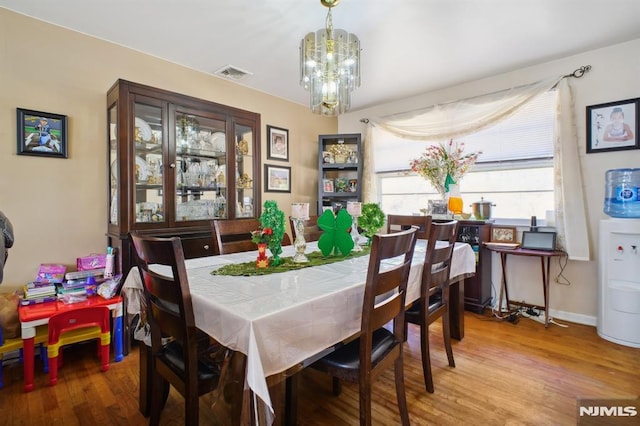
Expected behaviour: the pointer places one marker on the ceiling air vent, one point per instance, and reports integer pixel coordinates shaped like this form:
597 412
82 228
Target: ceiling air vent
234 73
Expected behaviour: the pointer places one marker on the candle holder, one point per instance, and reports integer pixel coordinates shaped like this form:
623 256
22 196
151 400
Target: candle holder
299 244
299 213
354 208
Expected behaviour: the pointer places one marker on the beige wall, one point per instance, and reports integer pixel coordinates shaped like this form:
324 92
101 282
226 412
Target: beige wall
58 206
615 76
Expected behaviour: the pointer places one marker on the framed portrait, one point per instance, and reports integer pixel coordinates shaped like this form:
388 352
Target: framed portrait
503 234
277 178
327 185
41 133
278 143
613 126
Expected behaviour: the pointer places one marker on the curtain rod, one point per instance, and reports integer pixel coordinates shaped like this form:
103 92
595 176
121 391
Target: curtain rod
577 73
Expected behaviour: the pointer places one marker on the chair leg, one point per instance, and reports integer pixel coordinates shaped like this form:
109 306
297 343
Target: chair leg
365 401
400 392
426 360
157 400
104 352
44 357
53 369
446 331
191 409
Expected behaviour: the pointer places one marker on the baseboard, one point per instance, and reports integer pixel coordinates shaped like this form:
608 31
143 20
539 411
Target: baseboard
567 316
573 317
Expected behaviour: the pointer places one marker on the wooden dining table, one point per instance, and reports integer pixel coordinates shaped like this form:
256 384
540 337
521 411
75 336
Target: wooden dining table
281 320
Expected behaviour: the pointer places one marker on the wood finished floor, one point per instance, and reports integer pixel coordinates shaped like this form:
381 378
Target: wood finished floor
505 374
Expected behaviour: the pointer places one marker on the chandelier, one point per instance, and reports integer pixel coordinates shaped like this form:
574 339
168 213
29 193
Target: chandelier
330 66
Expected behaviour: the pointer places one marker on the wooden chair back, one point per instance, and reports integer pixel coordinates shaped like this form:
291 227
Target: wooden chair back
311 230
234 235
170 314
389 284
397 223
437 265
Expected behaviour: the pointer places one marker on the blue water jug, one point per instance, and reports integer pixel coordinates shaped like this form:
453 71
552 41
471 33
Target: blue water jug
622 198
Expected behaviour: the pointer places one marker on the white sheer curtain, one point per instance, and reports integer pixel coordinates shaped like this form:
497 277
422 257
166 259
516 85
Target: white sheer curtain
456 119
571 220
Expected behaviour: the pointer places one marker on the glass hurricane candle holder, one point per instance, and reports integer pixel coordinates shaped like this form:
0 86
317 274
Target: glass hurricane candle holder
354 208
299 213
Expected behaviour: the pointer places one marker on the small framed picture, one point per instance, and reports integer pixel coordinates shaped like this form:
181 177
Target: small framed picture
353 185
277 143
327 185
503 234
327 157
277 178
613 126
341 185
41 133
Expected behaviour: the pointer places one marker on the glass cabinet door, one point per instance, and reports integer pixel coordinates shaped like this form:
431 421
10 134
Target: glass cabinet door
148 164
113 166
244 171
201 168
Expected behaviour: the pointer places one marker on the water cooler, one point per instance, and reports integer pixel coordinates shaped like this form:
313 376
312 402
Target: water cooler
619 281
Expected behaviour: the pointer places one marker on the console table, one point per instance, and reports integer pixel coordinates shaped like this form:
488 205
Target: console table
545 260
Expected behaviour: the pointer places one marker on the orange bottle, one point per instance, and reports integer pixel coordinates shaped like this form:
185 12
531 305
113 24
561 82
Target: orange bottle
455 200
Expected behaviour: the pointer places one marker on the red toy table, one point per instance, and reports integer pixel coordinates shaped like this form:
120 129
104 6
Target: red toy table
32 316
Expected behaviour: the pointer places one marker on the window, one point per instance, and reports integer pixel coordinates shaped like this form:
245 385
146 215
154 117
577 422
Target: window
514 172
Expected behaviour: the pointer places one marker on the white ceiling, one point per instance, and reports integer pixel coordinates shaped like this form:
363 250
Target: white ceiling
408 46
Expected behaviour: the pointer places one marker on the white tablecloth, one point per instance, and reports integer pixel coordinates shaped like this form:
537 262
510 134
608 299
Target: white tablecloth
281 319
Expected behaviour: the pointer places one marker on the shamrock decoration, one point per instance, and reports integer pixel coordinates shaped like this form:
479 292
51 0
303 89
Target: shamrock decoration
273 218
336 232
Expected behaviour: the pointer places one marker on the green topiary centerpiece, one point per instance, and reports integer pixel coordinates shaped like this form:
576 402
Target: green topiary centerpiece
273 218
371 220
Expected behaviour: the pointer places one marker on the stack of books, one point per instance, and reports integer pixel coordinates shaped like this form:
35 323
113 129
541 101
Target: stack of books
72 288
38 292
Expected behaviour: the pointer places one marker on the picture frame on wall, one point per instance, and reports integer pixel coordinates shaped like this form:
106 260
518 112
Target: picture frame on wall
41 134
613 126
277 178
277 143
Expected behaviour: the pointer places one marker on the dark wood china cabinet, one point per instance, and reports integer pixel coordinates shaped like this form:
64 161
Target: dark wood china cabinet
176 163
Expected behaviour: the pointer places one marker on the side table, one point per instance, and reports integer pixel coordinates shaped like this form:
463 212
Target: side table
545 260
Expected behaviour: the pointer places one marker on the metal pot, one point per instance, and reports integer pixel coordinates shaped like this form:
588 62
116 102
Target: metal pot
482 209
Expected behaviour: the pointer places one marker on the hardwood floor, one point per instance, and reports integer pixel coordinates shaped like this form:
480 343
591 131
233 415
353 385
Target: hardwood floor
516 374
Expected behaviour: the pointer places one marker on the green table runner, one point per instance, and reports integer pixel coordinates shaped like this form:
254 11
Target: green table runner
315 259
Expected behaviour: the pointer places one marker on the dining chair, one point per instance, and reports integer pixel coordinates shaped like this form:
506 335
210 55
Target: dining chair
181 354
365 358
401 222
234 235
434 294
15 344
74 326
312 231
